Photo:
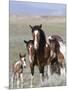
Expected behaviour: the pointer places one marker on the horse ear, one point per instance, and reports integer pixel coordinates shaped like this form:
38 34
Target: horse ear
40 26
25 42
30 26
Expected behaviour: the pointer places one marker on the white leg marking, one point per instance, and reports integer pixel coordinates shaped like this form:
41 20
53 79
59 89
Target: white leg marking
41 81
21 77
12 78
62 71
18 81
49 72
51 53
32 77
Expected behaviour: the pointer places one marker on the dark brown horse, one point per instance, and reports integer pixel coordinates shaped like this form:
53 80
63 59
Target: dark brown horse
32 57
41 47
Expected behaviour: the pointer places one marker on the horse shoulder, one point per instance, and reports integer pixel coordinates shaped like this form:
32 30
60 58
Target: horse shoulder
46 51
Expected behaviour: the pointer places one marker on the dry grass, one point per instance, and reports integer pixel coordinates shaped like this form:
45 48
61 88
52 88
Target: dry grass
19 31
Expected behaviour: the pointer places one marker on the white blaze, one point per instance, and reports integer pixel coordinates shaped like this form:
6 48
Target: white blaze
24 63
35 42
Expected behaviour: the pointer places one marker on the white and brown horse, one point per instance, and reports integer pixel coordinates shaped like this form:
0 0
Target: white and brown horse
18 71
57 50
41 47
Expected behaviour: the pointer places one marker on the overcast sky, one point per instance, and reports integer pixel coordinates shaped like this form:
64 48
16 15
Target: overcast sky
39 9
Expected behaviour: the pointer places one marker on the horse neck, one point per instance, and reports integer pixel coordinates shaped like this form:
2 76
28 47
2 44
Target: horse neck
42 40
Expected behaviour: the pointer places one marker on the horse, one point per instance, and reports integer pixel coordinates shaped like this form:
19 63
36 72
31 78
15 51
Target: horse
18 70
57 47
60 41
32 57
42 49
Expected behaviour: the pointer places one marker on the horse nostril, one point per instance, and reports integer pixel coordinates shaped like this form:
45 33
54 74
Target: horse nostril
25 66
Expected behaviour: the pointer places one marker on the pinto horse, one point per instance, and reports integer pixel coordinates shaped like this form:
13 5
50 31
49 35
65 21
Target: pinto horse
32 57
18 70
57 49
41 47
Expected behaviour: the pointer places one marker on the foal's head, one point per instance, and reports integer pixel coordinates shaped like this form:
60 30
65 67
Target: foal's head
22 59
30 49
38 35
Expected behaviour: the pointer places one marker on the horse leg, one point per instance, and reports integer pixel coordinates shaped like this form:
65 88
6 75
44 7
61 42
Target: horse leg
62 69
12 80
21 78
18 81
49 71
41 74
32 76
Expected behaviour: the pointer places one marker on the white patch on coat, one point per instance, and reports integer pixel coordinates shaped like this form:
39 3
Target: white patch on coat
35 42
62 48
30 46
50 38
46 45
18 62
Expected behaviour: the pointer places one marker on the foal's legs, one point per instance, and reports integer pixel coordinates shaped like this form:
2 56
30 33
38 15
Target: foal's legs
12 80
21 79
18 80
32 75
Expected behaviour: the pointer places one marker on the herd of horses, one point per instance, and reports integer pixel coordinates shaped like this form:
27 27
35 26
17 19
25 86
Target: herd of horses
42 51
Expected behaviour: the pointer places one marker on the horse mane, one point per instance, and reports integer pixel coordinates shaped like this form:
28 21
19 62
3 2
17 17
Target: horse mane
57 37
42 39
